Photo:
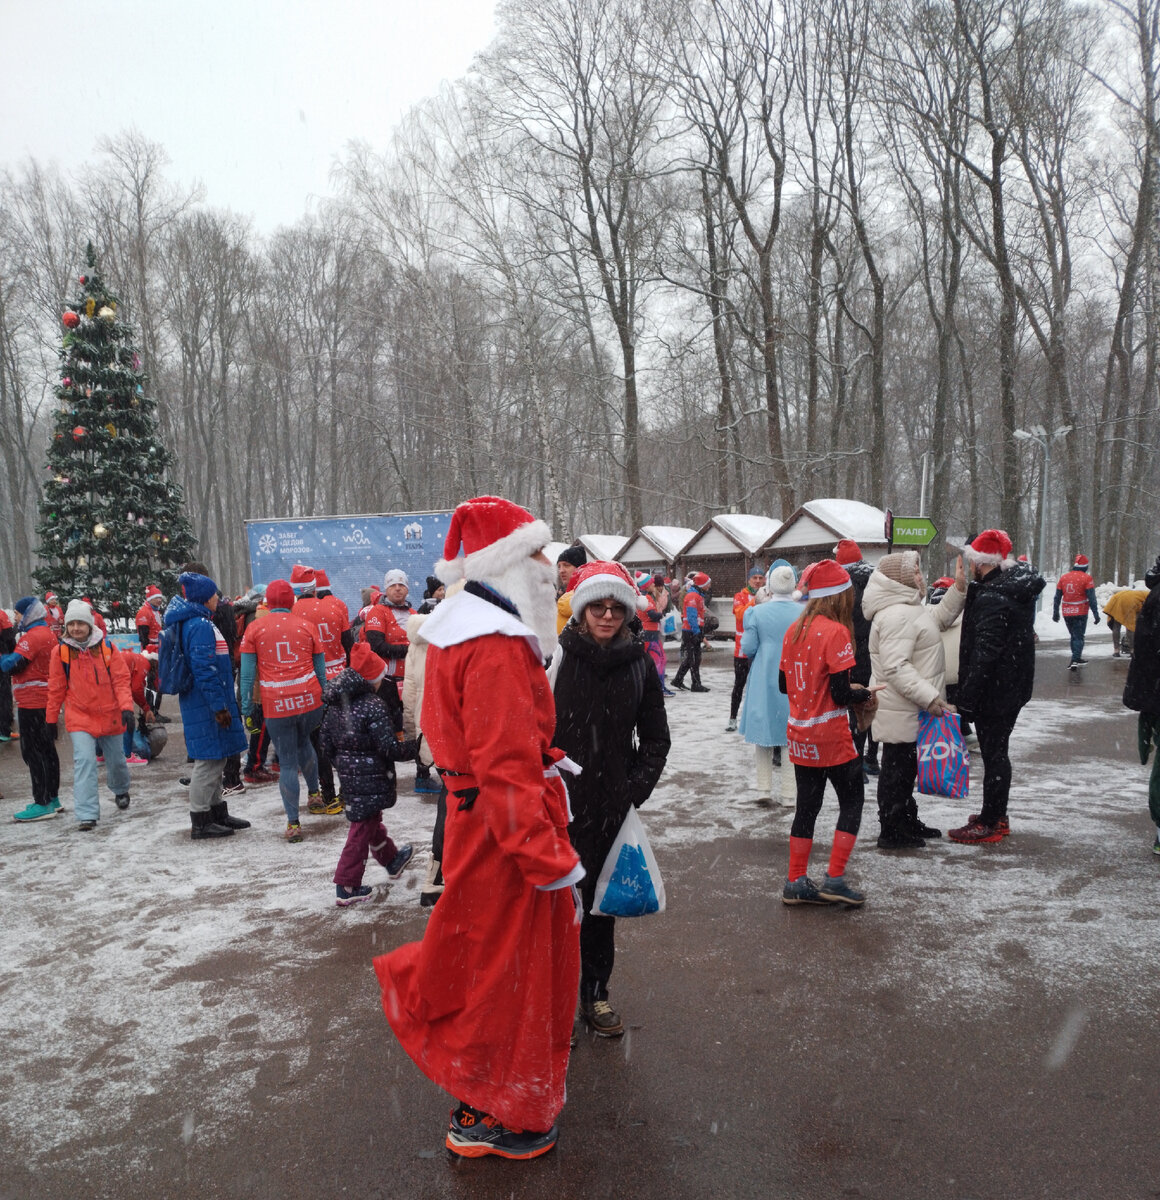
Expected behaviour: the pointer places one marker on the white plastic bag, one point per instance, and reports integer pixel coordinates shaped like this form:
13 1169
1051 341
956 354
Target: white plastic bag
630 883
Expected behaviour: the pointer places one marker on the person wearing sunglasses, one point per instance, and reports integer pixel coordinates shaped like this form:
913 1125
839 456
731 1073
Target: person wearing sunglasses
610 718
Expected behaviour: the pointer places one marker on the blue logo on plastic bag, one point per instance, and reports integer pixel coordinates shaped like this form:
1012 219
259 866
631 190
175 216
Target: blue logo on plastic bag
630 888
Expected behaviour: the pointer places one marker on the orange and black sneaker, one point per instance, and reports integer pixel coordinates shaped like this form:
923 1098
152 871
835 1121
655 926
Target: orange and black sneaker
473 1133
974 832
1003 825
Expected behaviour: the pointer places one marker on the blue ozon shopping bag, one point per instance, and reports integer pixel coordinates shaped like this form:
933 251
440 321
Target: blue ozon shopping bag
944 763
630 883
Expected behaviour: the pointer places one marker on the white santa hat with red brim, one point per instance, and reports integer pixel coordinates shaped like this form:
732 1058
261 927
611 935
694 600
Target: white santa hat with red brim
599 580
488 535
992 548
825 578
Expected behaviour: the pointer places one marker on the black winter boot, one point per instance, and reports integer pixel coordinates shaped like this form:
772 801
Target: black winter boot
205 827
219 814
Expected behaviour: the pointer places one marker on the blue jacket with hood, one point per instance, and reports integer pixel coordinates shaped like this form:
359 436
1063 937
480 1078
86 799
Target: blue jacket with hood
213 679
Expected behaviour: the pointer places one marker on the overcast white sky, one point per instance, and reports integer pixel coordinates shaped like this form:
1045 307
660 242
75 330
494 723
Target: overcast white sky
255 98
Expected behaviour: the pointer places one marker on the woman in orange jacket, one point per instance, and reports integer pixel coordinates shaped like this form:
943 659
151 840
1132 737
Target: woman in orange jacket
89 678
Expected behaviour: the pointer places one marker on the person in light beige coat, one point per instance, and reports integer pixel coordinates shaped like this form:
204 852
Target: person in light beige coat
908 663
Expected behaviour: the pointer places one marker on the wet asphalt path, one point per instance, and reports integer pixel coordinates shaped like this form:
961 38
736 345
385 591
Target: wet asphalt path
764 1058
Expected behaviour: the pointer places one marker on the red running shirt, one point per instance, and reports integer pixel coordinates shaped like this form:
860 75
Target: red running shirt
285 646
818 730
330 619
1074 586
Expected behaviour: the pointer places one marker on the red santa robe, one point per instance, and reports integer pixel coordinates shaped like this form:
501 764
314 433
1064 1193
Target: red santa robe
484 1003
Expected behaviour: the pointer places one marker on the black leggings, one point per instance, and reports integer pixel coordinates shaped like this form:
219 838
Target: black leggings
690 658
597 946
39 753
811 784
740 675
896 784
994 733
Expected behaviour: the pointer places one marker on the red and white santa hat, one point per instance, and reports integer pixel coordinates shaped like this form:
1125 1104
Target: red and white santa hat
321 579
302 579
488 535
367 663
825 578
1081 562
992 548
153 592
599 580
700 580
847 551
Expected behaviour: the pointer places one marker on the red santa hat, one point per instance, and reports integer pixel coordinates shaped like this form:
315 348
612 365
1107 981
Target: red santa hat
1081 562
599 580
700 580
302 579
943 582
825 578
488 535
279 594
367 663
847 551
321 579
992 548
152 592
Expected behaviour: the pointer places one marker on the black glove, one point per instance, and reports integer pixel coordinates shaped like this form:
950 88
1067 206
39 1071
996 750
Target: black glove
51 730
126 719
408 751
1055 617
1095 619
223 718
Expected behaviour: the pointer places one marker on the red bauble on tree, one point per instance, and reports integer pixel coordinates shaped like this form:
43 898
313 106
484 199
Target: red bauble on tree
79 432
70 319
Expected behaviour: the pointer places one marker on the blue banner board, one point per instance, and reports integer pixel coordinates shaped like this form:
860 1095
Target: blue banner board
355 552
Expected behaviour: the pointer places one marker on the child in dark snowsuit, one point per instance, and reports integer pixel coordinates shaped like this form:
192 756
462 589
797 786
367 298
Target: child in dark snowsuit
359 734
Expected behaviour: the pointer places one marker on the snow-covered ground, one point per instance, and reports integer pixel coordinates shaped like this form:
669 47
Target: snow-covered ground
117 948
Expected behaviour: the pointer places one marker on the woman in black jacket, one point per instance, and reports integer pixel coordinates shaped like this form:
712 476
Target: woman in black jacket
610 719
1142 690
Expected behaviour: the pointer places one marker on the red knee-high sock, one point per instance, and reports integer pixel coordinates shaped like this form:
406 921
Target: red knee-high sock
799 856
840 852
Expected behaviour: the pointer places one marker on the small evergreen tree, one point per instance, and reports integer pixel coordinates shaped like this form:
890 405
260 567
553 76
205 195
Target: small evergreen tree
111 518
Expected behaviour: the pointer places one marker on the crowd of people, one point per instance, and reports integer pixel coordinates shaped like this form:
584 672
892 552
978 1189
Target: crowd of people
532 698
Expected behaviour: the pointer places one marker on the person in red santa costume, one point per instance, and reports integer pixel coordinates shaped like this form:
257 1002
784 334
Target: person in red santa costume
484 1003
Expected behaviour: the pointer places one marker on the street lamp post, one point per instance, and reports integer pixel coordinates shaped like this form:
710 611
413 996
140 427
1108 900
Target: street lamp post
1040 435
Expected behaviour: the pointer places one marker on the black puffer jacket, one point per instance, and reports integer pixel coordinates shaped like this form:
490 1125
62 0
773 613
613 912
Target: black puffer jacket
1142 690
358 735
860 573
997 648
610 718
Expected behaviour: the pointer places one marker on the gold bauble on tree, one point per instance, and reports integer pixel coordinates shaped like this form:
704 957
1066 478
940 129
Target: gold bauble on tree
100 531
106 313
90 307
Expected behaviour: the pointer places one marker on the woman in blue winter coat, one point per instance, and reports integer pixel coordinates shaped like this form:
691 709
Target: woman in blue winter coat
360 735
209 707
766 710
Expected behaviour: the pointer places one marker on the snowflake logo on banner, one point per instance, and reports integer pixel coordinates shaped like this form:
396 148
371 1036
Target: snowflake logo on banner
267 544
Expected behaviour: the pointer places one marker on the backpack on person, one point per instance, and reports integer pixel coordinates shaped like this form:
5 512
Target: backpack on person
174 678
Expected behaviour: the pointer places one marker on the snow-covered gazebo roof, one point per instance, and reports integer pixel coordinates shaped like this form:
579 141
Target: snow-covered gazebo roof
653 544
601 547
818 524
731 533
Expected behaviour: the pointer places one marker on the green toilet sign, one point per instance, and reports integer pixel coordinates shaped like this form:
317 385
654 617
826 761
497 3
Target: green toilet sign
912 531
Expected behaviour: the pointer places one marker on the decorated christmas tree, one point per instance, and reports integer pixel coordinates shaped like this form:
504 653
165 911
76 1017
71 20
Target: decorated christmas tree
111 518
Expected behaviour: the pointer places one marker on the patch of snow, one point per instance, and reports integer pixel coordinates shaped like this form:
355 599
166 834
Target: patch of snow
850 518
751 531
